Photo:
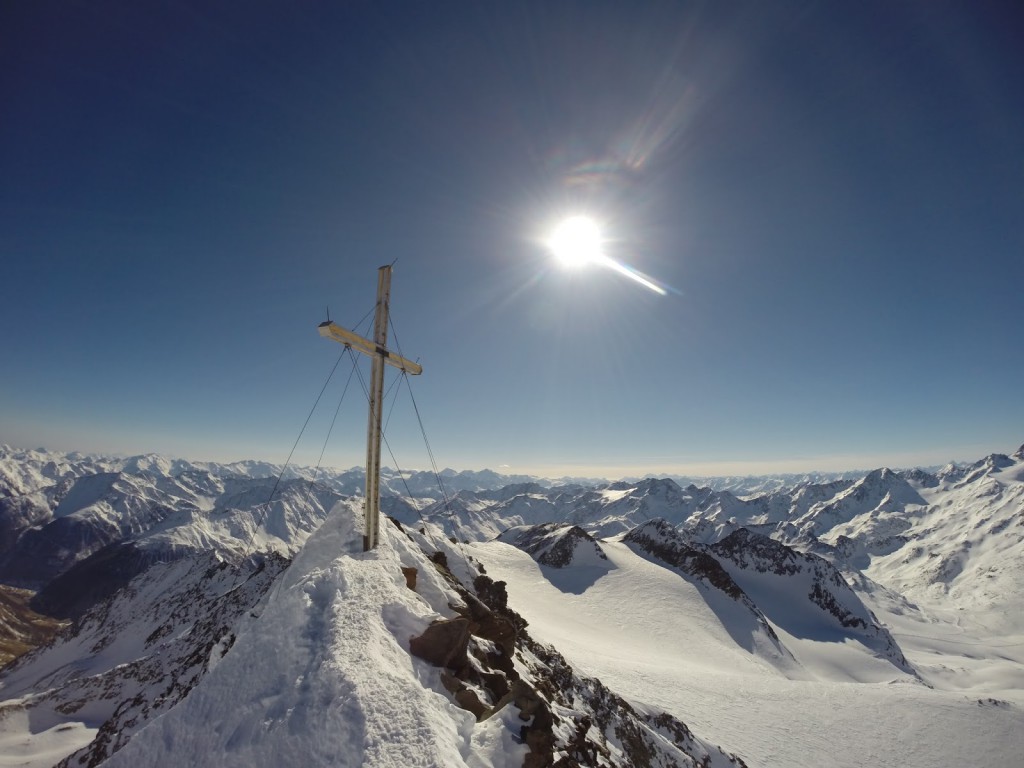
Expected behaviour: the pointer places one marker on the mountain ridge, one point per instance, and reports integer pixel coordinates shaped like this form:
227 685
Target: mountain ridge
862 582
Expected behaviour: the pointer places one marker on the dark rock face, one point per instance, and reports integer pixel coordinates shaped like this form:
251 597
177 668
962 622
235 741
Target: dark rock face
661 540
826 600
42 553
443 644
18 514
410 577
553 544
96 578
756 551
744 551
562 713
921 478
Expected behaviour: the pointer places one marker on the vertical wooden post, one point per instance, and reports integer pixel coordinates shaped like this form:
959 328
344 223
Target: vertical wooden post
378 351
374 425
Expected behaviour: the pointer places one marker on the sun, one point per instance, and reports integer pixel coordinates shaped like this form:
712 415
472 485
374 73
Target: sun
576 242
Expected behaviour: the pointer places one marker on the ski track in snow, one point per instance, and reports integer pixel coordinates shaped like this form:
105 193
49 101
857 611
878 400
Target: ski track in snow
652 638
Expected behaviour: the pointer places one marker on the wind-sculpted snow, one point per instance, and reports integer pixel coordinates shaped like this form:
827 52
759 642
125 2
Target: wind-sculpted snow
741 617
661 540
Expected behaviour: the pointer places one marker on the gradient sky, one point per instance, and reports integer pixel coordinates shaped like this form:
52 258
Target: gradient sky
833 191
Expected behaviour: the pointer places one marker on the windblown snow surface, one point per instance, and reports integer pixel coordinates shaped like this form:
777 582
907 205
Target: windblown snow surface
322 675
659 639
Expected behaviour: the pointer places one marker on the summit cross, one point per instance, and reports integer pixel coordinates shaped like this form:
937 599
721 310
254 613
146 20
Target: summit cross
379 353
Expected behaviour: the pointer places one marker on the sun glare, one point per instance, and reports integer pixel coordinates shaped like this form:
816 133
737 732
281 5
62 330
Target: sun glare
576 242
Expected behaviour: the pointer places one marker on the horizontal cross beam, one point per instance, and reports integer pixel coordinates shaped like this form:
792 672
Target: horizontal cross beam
336 333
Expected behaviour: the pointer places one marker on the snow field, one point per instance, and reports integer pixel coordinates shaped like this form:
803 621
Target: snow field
650 636
30 744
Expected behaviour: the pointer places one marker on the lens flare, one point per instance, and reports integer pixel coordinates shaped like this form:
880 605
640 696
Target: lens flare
577 242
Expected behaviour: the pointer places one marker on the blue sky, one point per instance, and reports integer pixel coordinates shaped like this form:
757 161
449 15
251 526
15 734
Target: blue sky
834 193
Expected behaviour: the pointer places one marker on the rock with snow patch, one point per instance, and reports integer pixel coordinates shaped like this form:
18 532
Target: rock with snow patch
138 653
661 540
556 546
802 593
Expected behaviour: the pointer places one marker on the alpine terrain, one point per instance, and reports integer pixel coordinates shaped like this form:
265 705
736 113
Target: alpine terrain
158 612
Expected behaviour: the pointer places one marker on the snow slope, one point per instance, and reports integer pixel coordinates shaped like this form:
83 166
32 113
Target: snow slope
130 658
179 668
655 638
891 633
324 677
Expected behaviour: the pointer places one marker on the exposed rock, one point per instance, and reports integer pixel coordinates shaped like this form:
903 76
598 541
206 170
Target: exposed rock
443 643
568 721
555 545
744 553
759 553
661 539
410 577
96 578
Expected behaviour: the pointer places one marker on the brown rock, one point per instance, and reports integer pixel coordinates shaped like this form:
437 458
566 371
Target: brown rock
467 699
410 577
443 644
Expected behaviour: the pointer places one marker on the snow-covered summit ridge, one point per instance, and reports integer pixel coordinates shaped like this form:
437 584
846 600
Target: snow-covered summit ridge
313 666
950 545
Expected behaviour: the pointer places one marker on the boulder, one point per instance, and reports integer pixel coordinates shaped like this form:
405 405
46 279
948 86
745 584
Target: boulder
443 644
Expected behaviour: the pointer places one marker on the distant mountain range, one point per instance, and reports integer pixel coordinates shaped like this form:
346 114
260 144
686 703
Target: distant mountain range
166 581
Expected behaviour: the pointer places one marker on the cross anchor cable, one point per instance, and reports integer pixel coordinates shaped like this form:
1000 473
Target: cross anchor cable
380 355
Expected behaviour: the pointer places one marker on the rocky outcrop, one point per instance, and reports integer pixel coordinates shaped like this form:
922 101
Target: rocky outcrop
98 577
142 650
748 556
490 662
555 545
757 552
661 540
443 644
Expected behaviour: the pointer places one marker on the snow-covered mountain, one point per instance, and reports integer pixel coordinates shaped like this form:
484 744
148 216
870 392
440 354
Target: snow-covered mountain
387 658
58 510
216 620
557 546
136 655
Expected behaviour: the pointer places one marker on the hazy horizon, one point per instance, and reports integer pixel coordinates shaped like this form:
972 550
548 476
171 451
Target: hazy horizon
850 465
803 248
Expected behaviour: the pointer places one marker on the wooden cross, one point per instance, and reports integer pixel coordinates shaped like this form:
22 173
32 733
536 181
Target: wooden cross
378 351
